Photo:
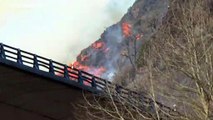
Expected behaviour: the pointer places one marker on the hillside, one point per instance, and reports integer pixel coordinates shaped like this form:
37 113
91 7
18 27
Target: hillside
118 46
174 65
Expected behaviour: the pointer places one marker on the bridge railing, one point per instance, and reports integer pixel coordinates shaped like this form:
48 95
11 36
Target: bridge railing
47 65
54 68
58 69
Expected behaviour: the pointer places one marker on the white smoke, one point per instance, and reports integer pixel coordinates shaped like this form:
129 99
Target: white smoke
57 29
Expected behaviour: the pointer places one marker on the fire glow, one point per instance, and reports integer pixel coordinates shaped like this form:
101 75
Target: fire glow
98 45
100 53
127 29
121 41
92 70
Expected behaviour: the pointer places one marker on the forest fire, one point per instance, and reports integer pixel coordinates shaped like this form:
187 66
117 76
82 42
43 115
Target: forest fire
117 48
85 57
108 55
101 57
96 59
92 70
79 66
98 45
127 29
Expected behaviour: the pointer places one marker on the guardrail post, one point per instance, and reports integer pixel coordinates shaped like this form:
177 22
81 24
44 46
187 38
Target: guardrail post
66 74
51 69
19 57
80 78
35 62
93 82
2 54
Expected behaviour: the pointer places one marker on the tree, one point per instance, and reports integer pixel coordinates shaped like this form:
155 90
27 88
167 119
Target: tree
178 65
182 56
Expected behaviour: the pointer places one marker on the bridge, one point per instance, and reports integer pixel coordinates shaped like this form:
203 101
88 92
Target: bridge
27 76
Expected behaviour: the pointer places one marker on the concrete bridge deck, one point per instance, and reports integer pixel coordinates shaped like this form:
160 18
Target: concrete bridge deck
25 96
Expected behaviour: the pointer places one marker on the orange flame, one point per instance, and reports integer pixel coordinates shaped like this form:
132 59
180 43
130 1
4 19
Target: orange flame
80 66
126 28
93 70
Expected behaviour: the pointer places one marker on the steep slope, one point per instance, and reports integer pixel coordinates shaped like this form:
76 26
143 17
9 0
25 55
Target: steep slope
118 46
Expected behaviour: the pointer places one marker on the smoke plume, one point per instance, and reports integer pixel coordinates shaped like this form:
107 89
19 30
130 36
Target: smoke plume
57 29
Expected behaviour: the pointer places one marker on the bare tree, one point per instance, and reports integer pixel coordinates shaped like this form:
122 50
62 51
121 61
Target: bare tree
182 57
178 70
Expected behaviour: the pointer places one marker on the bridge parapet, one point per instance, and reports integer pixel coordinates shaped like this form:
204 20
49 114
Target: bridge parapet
59 72
29 61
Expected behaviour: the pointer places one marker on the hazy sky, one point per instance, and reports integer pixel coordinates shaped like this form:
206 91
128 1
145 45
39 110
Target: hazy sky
57 29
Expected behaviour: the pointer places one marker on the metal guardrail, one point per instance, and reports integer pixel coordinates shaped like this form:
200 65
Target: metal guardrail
66 74
54 68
